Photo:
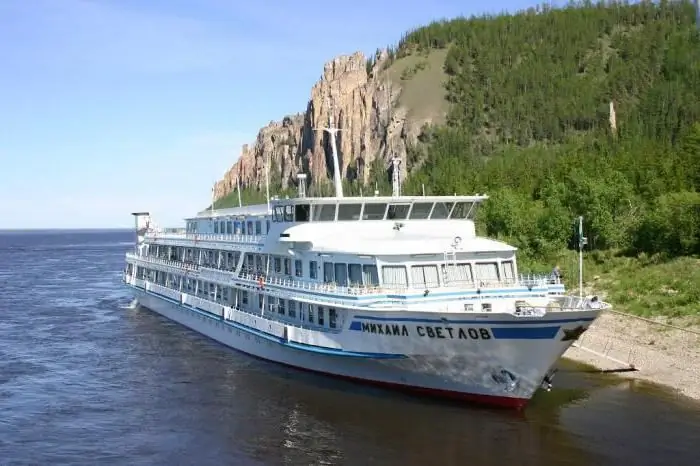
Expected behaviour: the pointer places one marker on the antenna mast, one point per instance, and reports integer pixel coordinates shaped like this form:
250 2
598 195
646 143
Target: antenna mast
238 188
332 130
267 183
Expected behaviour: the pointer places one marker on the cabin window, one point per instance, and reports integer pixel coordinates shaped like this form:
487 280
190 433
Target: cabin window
261 298
397 211
349 211
394 276
425 276
236 258
302 212
355 274
216 227
321 316
508 271
278 214
374 212
244 297
222 227
259 263
278 264
302 311
313 269
370 277
461 210
271 304
486 307
258 228
250 227
487 272
441 210
328 276
332 318
237 228
250 262
324 213
282 306
287 266
229 227
469 307
311 313
292 311
298 270
421 210
341 275
457 274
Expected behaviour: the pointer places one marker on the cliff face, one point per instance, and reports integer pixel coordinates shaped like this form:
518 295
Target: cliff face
364 106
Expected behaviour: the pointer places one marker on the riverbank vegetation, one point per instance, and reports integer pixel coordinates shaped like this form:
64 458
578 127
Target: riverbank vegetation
591 110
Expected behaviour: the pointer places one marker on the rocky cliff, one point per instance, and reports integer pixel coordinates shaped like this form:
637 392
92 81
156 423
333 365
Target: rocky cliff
365 105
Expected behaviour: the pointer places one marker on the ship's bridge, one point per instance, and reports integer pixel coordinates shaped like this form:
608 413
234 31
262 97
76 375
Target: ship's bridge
378 225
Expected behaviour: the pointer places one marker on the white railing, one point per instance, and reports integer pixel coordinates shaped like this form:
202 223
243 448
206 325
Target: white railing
238 238
166 262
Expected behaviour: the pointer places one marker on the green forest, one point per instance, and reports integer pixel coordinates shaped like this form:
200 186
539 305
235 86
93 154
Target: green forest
529 124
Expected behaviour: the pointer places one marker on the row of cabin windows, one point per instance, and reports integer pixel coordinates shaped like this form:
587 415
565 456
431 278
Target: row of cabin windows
341 273
235 227
461 273
240 298
371 211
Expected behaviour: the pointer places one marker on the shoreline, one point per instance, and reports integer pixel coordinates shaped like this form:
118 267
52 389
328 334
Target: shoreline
665 355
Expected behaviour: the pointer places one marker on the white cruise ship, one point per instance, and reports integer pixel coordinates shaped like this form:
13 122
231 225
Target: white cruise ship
397 291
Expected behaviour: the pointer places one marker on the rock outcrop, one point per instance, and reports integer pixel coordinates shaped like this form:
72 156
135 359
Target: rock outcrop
363 105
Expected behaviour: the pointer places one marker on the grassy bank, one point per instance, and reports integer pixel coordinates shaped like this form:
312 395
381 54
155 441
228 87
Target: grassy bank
645 285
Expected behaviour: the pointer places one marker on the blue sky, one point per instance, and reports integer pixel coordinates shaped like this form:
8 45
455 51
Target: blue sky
112 106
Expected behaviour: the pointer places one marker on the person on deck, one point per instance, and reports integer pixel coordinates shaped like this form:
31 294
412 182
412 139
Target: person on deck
555 276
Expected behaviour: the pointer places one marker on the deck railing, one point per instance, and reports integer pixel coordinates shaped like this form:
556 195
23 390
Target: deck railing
195 237
289 282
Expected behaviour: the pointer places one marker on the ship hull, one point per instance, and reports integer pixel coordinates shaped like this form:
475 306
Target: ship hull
423 374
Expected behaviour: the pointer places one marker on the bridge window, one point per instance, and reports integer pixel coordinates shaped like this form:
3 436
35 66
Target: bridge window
421 210
289 213
442 210
461 210
355 274
487 272
374 212
258 228
302 212
457 274
349 211
425 276
313 266
216 227
370 277
298 268
250 228
237 228
324 213
394 276
229 227
287 266
341 274
397 211
278 214
278 264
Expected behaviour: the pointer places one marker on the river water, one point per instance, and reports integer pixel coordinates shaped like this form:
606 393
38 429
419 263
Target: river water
85 379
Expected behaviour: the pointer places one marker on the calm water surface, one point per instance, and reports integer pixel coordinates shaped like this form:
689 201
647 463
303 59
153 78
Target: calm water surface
84 379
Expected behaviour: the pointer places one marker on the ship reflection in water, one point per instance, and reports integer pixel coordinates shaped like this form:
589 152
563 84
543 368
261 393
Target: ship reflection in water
266 414
85 381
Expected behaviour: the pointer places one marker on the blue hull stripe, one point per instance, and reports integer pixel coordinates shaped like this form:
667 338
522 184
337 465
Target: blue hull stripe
484 321
525 333
503 333
274 338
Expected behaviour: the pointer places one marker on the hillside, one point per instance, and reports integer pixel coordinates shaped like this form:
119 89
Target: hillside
519 106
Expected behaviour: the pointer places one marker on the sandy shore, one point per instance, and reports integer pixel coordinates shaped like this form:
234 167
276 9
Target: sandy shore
661 354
